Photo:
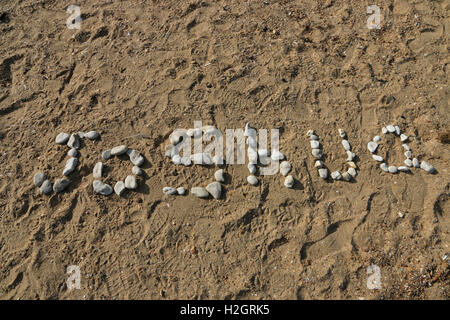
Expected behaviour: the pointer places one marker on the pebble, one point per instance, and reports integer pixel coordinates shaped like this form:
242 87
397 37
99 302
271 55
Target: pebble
97 172
136 170
317 153
289 182
38 179
313 137
342 133
92 135
263 153
119 188
314 144
408 162
102 188
251 141
60 184
323 173
176 159
336 175
176 137
72 153
403 137
416 163
408 154
406 147
252 180
74 141
181 191
390 128
350 155
346 145
248 130
252 155
130 182
117 151
427 167
136 158
397 130
346 176
384 130
46 187
384 167
200 192
318 164
219 175
372 146
351 164
376 139
377 158
106 154
285 168
81 134
251 168
62 138
352 172
310 132
215 189
277 156
70 166
392 169
169 191
403 168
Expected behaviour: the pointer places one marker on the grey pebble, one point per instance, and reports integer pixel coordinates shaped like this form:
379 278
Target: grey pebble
70 166
81 134
60 184
169 191
384 130
336 175
277 156
346 145
408 162
116 151
119 188
416 163
285 168
313 137
199 192
74 141
46 187
136 158
102 188
314 144
106 154
392 169
62 138
390 128
91 135
97 172
136 170
317 153
181 191
219 175
427 167
408 154
289 182
215 189
72 153
323 173
252 180
403 168
251 168
372 146
397 130
130 182
39 178
384 167
406 147
376 139
377 158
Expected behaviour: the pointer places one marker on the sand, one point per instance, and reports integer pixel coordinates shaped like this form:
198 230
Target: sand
137 70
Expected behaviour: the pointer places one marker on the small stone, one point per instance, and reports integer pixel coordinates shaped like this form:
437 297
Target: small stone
62 138
392 169
251 141
277 156
289 182
46 187
384 130
102 188
372 146
263 153
181 191
427 167
136 170
351 164
169 191
200 192
92 135
177 137
130 182
352 172
346 176
376 139
251 168
310 133
408 154
249 131
336 175
119 188
401 214
317 153
117 151
403 137
285 168
397 130
176 159
215 189
106 154
318 164
384 167
323 173
81 134
314 144
346 145
74 141
342 133
252 180
377 158
60 184
403 169
70 166
350 156
390 128
406 147
136 158
313 137
416 163
97 172
219 175
72 153
408 162
252 155
38 179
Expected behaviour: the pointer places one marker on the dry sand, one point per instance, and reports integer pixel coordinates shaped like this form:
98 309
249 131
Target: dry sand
136 70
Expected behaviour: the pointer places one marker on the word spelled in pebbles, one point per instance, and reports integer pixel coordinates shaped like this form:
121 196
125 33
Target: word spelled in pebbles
252 180
219 175
97 172
181 191
285 168
117 151
62 138
289 182
70 166
131 183
102 188
46 187
119 188
91 135
60 185
74 141
38 179
199 192
169 191
215 189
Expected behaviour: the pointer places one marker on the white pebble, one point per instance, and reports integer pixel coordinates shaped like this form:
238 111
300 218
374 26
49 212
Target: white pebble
318 164
176 159
406 147
263 153
169 191
314 144
219 175
91 135
130 182
74 141
416 163
403 168
251 168
119 188
376 139
102 188
277 156
116 151
215 189
403 137
397 130
392 169
390 128
350 155
70 166
377 158
408 154
200 192
285 168
346 145
136 170
62 138
346 176
384 167
97 172
136 158
408 162
342 133
181 191
289 182
323 173
185 161
427 167
310 132
372 146
352 172
384 130
336 175
252 180
317 153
